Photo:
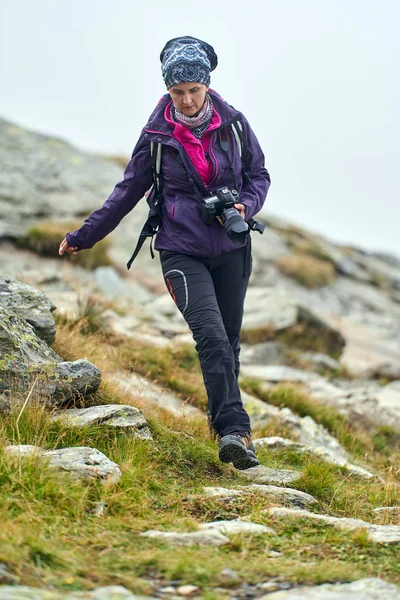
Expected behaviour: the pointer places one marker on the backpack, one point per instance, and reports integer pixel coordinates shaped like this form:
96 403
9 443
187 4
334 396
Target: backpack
154 196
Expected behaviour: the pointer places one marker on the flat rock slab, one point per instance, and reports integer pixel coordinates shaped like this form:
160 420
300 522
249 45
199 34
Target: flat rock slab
275 493
236 526
262 474
30 304
23 592
81 461
326 454
195 538
381 534
364 589
121 416
140 387
303 429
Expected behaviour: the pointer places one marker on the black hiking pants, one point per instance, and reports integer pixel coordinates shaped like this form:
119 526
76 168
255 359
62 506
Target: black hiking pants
210 293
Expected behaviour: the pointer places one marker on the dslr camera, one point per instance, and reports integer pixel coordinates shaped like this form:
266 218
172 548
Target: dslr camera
221 205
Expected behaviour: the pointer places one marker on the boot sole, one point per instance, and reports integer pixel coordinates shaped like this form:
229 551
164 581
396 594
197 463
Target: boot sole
234 452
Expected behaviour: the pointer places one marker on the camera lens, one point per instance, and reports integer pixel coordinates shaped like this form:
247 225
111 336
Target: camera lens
235 226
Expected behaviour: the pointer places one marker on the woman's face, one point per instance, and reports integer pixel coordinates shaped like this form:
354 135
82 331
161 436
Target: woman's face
188 97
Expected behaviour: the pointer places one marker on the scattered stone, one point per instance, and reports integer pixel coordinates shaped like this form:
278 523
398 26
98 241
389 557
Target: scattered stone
321 360
324 453
387 370
29 304
274 554
276 494
70 379
262 474
304 429
365 589
266 353
98 509
230 574
187 590
195 538
269 586
121 416
275 442
236 526
381 534
387 509
109 282
168 589
81 461
140 387
23 592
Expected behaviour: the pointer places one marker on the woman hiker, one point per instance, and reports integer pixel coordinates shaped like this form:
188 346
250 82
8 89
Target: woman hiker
213 177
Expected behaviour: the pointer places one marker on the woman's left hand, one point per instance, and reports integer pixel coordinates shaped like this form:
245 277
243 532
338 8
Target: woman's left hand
241 208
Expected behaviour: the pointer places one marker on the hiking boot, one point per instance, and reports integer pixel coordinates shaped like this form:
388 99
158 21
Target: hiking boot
238 449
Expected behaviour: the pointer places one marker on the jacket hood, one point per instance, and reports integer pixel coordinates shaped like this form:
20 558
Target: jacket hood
157 121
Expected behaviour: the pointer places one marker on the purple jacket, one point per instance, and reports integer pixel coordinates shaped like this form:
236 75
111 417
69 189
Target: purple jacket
182 228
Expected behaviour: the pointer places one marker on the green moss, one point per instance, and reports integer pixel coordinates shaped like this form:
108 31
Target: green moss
45 239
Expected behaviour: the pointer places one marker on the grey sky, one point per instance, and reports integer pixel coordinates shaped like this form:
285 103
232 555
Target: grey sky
317 79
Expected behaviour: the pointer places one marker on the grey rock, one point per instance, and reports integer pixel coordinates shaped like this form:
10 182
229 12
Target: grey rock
304 429
382 509
23 592
235 527
262 474
267 353
387 370
196 538
321 360
140 387
45 178
365 589
275 442
325 453
23 354
27 361
381 534
270 586
79 377
276 494
81 461
187 590
109 282
230 574
30 304
112 415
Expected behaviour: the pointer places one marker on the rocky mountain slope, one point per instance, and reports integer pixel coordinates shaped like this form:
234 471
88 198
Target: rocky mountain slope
99 378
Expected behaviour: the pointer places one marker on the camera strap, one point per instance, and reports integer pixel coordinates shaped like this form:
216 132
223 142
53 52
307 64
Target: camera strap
155 201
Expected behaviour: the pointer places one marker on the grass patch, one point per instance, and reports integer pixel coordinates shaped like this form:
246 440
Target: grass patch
47 523
309 271
308 333
46 515
176 368
378 448
45 239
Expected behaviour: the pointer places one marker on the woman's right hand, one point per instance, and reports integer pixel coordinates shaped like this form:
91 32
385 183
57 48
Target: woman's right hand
65 248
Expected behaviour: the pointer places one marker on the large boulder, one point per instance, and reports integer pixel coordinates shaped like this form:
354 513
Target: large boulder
29 303
45 177
25 359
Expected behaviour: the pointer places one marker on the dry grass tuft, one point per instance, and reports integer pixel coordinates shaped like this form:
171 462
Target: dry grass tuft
309 271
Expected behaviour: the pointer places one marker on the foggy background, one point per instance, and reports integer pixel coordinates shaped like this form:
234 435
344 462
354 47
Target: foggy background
317 79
